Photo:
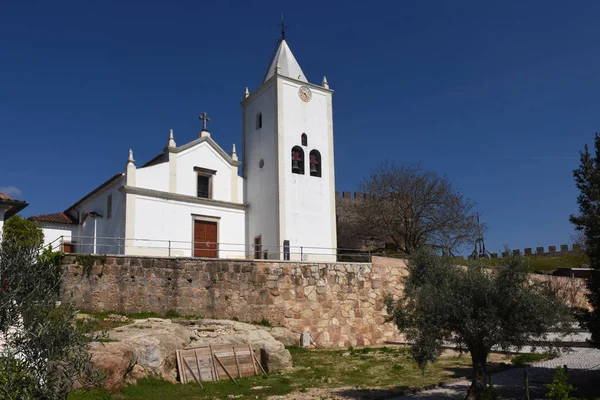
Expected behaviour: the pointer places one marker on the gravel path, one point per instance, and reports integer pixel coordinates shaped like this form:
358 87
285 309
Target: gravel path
583 365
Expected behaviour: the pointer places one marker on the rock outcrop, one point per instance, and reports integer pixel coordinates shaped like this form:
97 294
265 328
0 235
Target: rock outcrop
284 335
148 347
155 342
115 359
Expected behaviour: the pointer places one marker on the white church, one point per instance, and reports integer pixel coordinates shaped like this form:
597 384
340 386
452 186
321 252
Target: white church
191 201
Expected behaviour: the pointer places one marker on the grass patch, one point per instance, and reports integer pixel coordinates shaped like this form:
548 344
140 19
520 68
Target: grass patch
530 358
99 317
543 263
384 367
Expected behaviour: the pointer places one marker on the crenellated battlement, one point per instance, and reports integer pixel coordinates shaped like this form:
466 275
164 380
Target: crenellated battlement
350 195
553 251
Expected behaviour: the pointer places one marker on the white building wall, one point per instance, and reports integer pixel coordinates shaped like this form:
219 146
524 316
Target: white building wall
103 235
53 233
240 191
204 156
155 177
308 201
261 186
161 225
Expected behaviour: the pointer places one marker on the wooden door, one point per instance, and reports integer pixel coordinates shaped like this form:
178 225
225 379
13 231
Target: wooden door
258 247
205 239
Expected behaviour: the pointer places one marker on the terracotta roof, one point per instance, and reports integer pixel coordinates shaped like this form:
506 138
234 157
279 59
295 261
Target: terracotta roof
57 218
15 205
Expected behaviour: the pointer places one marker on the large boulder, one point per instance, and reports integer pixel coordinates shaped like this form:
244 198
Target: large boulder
114 359
284 335
274 355
154 342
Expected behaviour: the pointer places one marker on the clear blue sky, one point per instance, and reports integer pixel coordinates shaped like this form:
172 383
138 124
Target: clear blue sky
500 96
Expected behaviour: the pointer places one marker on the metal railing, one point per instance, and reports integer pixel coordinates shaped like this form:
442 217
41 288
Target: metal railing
181 248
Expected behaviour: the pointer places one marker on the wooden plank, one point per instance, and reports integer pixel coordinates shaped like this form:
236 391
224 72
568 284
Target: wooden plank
198 366
226 371
252 359
192 372
237 363
212 357
259 364
182 376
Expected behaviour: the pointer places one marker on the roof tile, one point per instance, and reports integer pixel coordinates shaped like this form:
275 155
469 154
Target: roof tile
58 218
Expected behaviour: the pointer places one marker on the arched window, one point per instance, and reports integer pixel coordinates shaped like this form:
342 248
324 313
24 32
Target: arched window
258 120
315 163
297 160
304 139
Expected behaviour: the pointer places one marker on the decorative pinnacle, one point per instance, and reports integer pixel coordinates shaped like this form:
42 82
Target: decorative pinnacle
171 139
246 93
278 67
325 84
234 153
130 160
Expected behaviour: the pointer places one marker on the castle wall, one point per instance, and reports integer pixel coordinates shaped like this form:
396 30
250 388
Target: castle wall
340 304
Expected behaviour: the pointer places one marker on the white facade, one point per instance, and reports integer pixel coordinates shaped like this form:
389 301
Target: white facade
158 208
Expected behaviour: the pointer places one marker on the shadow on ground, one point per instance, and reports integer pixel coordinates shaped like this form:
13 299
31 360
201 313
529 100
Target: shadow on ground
509 384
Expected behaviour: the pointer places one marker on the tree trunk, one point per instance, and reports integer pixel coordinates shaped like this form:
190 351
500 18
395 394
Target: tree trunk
479 379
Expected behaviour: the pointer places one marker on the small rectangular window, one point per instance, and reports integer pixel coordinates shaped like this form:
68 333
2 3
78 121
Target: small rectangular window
286 250
258 247
109 206
258 120
204 186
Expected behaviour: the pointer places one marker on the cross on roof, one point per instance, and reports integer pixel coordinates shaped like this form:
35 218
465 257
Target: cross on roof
282 28
204 119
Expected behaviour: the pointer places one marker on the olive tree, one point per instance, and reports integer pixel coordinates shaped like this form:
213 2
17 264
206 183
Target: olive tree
406 207
473 308
44 352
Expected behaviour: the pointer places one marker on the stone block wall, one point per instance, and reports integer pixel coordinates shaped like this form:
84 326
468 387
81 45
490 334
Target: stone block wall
572 290
340 304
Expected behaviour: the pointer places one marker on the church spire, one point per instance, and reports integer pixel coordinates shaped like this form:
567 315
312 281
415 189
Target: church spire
283 61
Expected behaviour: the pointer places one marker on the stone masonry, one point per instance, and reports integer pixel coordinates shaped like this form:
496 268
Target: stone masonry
340 304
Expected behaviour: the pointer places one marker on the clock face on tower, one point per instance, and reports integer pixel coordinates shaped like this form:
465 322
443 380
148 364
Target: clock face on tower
304 93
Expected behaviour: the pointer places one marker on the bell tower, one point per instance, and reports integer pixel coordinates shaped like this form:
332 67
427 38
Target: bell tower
288 164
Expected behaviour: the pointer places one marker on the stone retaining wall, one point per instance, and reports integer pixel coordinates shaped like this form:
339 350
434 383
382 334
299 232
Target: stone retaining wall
340 304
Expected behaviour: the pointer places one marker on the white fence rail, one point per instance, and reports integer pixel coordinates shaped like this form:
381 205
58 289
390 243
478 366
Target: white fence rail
178 248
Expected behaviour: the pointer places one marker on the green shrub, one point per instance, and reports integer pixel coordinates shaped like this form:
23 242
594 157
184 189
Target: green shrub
529 358
560 387
264 322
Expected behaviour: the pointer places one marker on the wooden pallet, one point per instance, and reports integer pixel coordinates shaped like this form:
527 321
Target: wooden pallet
213 363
